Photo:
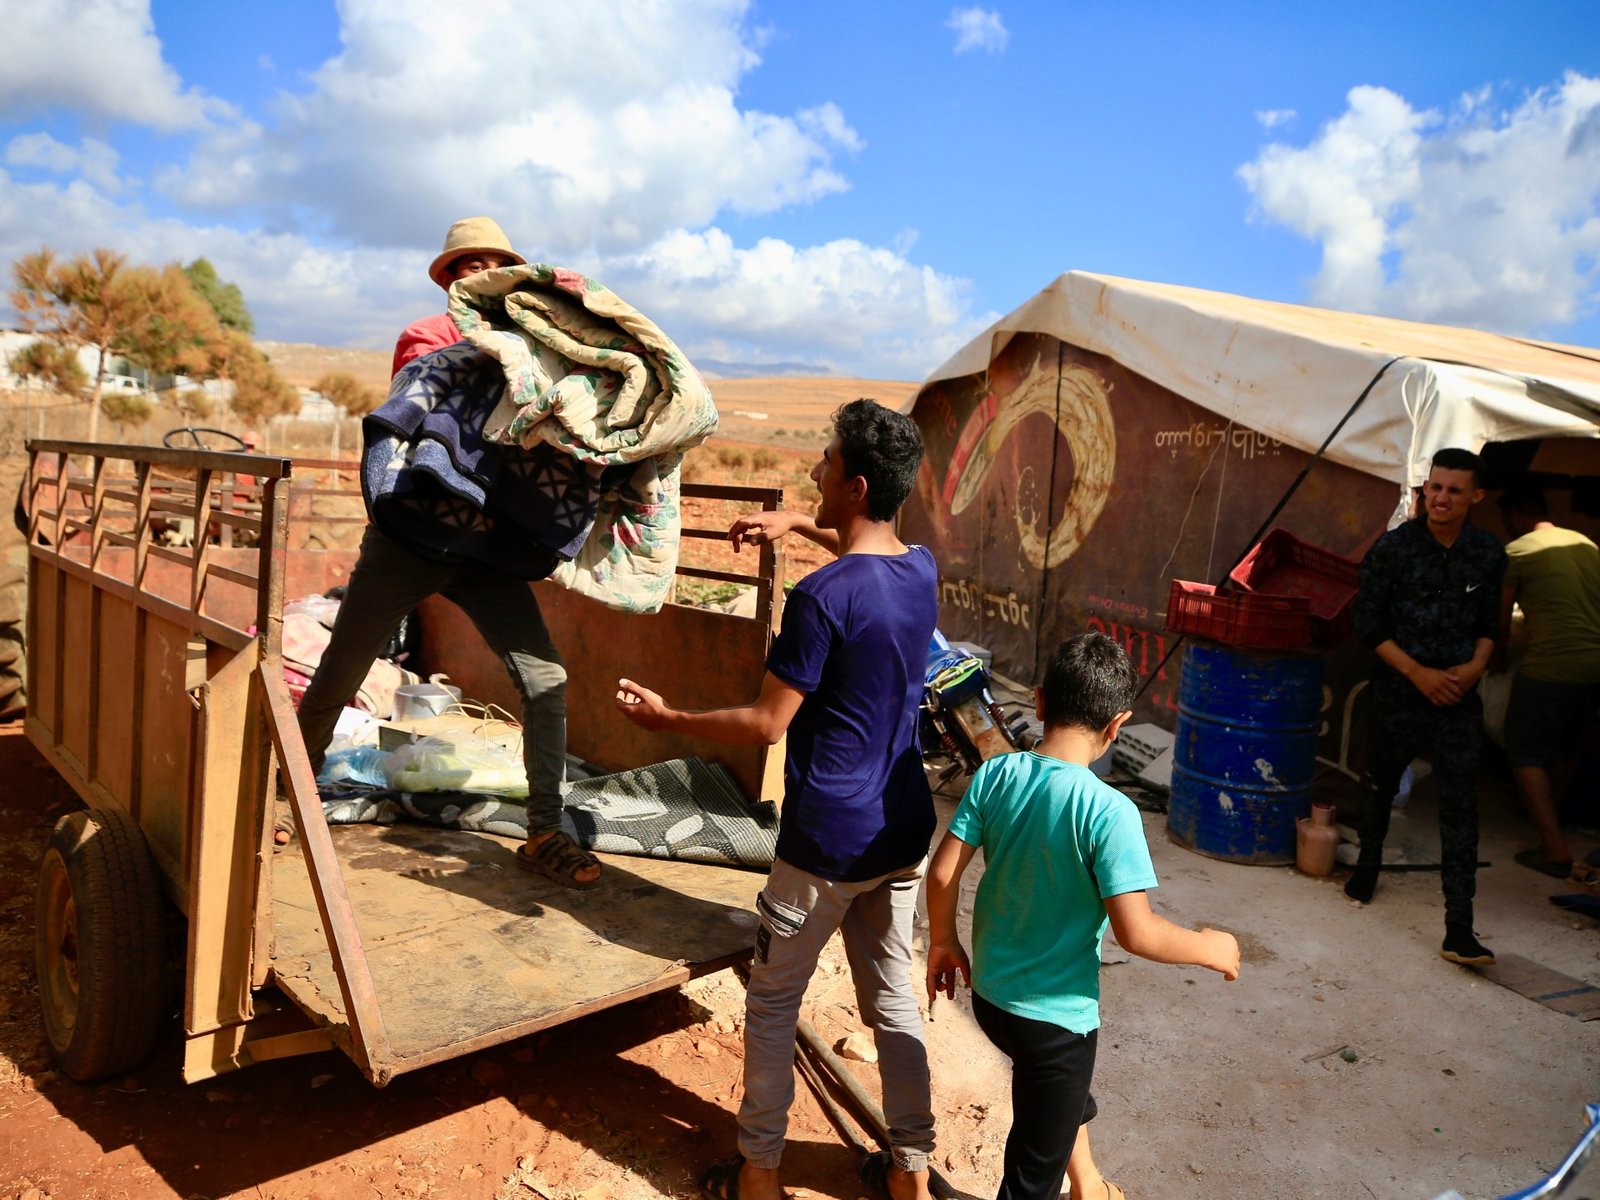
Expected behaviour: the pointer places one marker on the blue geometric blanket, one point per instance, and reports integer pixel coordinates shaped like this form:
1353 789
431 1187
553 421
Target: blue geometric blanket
434 481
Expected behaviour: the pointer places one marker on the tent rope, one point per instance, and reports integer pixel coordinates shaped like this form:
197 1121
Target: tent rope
1276 509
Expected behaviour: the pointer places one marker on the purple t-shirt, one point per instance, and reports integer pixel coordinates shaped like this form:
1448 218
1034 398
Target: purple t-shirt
855 639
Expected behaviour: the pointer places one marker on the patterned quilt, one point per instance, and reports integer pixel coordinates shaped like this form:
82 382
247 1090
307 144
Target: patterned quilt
589 374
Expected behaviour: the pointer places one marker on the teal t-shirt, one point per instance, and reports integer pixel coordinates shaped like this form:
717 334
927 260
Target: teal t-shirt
1055 842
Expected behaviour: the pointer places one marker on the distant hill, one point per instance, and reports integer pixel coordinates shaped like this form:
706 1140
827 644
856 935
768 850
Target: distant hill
713 368
784 403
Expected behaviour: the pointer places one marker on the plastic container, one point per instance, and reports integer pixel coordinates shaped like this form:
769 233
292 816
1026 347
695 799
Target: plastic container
1316 839
414 700
1239 618
1245 752
1282 565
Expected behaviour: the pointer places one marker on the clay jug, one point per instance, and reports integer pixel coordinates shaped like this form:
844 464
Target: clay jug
1315 841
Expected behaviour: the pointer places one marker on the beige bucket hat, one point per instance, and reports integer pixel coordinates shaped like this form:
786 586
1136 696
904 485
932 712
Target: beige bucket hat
474 235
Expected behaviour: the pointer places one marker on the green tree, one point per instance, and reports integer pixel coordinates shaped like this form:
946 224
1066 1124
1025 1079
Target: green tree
52 364
127 409
225 299
349 393
151 317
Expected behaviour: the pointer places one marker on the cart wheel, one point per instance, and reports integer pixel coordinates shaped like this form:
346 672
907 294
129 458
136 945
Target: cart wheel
98 944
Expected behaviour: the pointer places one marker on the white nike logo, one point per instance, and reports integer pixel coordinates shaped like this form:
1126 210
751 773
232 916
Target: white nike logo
1472 587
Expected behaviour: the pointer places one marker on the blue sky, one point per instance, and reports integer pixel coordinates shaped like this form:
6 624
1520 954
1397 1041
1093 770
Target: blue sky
860 187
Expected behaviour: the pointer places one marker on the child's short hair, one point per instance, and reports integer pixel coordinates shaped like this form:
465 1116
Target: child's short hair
1088 682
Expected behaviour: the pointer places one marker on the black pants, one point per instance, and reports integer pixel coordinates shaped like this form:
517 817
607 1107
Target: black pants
1051 1069
1403 725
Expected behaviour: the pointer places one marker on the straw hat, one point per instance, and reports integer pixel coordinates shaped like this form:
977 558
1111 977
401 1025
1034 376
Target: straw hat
474 235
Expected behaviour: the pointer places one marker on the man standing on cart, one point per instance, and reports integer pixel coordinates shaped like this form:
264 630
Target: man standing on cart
390 579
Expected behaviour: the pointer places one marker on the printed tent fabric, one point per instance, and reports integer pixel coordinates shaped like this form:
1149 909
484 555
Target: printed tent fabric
589 374
1291 372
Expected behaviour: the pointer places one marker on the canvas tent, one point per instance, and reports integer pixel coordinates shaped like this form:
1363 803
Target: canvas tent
1110 435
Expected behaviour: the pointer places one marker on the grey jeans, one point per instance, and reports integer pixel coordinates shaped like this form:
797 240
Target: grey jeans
388 581
799 912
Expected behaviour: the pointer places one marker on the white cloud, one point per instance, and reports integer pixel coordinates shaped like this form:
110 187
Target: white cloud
843 305
609 138
596 128
92 158
977 29
1486 216
1271 118
99 57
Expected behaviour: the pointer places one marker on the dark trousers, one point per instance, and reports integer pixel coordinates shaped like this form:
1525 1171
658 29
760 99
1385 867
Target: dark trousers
1401 728
1051 1069
387 582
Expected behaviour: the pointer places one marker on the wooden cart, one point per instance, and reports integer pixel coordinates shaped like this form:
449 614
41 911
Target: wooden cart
156 686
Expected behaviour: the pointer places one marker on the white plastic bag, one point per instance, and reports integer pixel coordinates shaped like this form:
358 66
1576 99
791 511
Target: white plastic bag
460 763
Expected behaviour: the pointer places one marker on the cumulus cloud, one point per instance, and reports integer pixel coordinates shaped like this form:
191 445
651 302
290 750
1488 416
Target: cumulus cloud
91 158
1487 215
607 137
600 127
844 305
1271 118
978 29
100 57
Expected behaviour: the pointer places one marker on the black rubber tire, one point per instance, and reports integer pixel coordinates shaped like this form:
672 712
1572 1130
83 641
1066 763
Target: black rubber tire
99 944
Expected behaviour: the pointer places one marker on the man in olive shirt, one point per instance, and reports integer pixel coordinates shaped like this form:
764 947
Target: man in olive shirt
1554 577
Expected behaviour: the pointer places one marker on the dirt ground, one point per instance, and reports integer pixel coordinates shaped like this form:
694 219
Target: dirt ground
1204 1087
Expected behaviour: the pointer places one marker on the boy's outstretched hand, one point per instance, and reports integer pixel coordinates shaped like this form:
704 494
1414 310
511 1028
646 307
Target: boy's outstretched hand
759 528
640 705
944 964
1222 953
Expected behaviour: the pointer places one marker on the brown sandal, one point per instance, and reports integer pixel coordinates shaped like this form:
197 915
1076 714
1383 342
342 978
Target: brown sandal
559 858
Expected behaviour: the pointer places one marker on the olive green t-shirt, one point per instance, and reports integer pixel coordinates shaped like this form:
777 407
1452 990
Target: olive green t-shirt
1556 574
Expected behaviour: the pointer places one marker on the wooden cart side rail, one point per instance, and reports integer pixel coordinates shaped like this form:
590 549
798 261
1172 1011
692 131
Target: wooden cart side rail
368 1035
259 465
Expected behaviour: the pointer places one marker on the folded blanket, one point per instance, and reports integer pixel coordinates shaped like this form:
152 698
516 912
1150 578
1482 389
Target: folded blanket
436 482
588 374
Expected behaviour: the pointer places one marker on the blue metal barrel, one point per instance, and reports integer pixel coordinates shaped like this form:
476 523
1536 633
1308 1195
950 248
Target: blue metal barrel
1244 753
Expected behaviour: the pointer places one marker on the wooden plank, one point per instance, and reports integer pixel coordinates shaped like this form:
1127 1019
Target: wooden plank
439 906
697 658
224 849
260 465
76 680
1551 988
164 737
115 695
369 1041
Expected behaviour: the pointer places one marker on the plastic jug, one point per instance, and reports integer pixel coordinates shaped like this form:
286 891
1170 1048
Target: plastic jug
1316 838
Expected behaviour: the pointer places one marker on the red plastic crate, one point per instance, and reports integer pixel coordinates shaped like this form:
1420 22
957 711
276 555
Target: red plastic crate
1282 565
1243 619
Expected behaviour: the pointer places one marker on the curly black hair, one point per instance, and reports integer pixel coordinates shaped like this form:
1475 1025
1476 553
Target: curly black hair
884 448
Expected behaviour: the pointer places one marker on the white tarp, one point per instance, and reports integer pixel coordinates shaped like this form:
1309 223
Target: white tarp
1293 372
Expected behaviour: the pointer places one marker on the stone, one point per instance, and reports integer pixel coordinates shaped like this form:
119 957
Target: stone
857 1047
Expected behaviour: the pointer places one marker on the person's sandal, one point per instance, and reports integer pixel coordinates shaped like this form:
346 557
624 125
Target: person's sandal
559 858
720 1181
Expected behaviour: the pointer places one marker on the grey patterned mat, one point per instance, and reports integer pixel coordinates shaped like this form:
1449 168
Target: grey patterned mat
685 809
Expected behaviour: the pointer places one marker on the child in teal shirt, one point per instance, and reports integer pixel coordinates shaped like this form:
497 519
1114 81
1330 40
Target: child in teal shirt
1064 855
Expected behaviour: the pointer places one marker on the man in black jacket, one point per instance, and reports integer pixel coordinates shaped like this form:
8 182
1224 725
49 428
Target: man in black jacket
1428 605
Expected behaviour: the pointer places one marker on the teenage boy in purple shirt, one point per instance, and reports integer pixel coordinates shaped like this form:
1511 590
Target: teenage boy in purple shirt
844 680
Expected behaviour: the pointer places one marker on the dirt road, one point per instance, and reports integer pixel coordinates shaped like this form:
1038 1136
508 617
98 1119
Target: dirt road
1204 1087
